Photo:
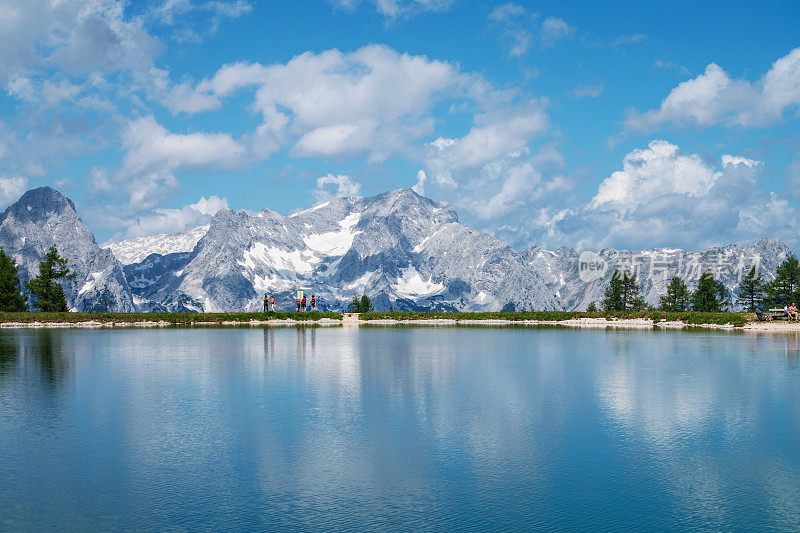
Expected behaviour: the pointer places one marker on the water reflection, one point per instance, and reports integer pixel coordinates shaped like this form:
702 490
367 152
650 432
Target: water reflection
347 428
9 353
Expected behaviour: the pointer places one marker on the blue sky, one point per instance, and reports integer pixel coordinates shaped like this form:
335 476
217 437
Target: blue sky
584 124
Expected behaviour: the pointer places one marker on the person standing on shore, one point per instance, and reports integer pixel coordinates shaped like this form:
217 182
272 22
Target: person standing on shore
313 303
266 303
298 304
303 304
272 303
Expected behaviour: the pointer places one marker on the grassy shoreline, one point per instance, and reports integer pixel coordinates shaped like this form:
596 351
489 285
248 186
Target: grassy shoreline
690 318
169 318
687 317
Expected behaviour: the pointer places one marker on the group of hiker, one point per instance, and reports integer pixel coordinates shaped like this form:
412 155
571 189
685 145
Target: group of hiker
302 303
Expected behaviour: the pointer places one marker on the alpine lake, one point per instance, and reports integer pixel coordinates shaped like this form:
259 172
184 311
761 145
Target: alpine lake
398 428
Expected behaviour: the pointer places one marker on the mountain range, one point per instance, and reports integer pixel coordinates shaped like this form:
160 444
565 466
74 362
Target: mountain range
402 249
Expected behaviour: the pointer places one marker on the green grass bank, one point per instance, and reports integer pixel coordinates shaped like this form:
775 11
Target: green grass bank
735 319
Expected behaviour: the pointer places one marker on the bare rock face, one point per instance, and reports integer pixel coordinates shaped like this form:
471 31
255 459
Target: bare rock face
654 268
42 218
404 251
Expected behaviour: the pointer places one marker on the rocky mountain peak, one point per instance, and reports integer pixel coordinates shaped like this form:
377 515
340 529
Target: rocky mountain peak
40 204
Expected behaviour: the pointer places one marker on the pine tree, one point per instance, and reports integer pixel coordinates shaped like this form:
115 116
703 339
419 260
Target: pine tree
45 288
366 305
783 290
751 290
613 299
623 293
710 295
361 305
592 308
677 297
632 293
354 304
11 298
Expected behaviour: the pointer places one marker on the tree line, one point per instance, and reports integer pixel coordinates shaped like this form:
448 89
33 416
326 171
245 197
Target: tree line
44 292
624 293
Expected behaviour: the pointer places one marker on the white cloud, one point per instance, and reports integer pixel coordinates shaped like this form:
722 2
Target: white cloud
663 197
515 24
210 206
715 98
419 188
555 29
77 35
589 91
191 20
512 186
495 135
336 186
519 28
649 173
146 176
11 188
22 88
373 100
150 147
397 8
171 220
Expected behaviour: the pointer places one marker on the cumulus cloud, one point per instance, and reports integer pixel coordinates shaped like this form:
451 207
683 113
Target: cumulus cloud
654 172
496 135
11 188
76 35
146 177
419 187
170 220
151 147
372 101
663 197
715 98
336 186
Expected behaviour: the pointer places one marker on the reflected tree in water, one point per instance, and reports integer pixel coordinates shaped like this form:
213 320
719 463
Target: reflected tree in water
9 353
48 354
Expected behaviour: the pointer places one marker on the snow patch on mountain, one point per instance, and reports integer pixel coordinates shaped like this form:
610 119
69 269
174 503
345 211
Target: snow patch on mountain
335 243
296 261
411 285
136 250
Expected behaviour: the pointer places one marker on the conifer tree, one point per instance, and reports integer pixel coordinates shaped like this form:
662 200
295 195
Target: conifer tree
632 293
361 305
11 298
710 295
592 308
366 305
783 290
677 297
46 288
751 290
613 299
623 293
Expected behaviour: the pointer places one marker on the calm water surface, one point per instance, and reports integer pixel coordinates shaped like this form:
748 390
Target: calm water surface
398 429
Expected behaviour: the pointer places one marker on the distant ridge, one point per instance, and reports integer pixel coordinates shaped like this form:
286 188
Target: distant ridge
404 250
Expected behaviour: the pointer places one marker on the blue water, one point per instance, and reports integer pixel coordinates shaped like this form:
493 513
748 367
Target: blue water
398 429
